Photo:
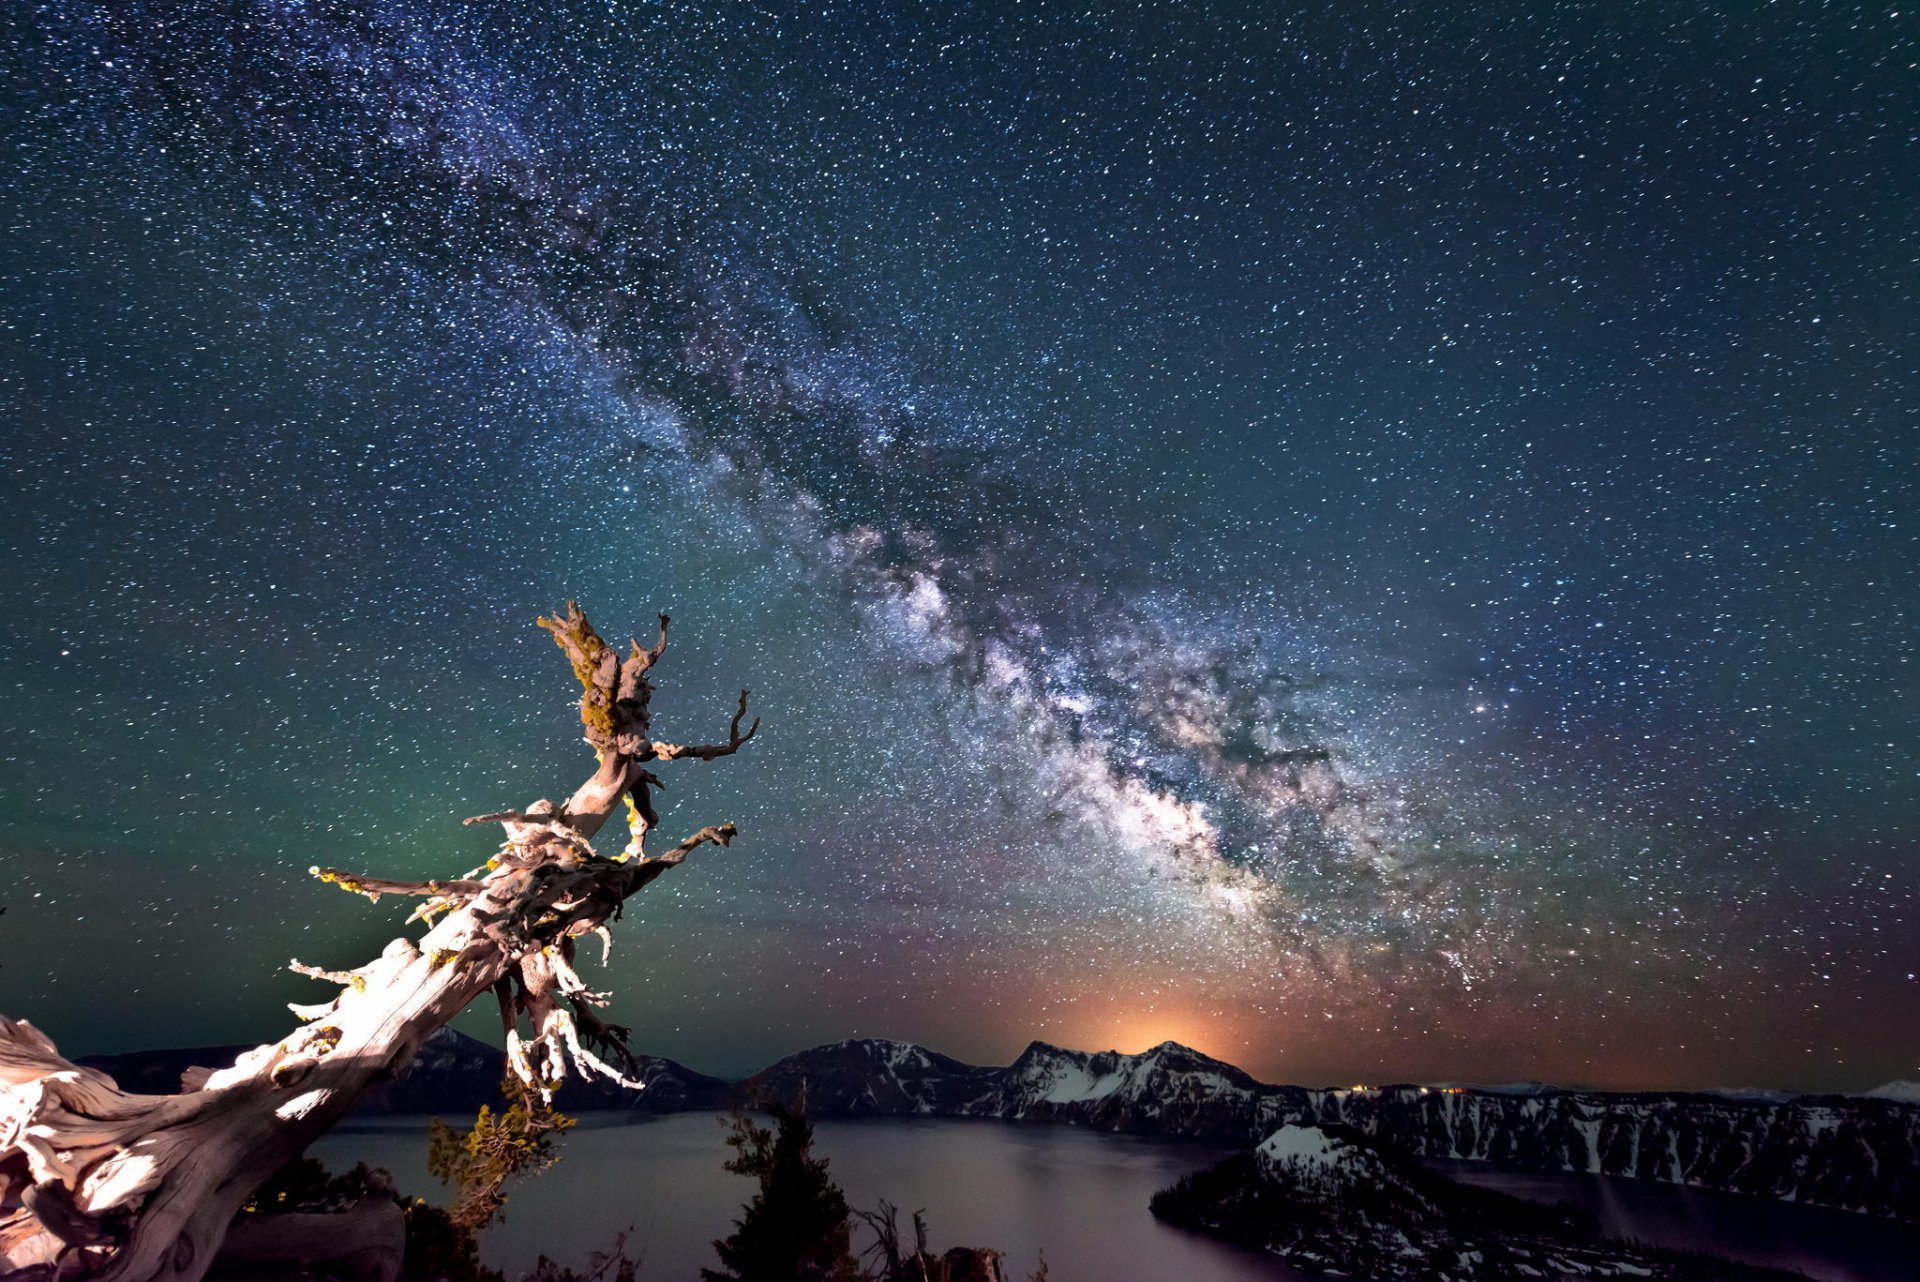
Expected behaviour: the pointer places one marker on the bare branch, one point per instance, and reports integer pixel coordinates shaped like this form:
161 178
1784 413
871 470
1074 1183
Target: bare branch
570 984
605 1039
653 866
374 887
639 662
708 751
504 817
308 1012
345 978
719 835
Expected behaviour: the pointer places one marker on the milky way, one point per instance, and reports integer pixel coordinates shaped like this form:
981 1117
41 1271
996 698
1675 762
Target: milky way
1375 544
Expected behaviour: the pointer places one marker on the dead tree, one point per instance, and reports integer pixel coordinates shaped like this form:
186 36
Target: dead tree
98 1183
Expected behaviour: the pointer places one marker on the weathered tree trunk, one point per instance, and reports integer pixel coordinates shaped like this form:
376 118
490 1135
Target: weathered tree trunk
95 1182
364 1243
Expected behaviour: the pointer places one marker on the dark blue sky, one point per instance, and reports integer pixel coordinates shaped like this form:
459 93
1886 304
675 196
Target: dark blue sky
1075 423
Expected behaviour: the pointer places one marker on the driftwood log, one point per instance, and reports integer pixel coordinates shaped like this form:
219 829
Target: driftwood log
98 1183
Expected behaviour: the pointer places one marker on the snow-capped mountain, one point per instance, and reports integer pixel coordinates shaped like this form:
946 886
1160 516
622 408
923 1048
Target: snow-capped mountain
1855 1153
867 1076
1169 1089
1899 1092
1849 1152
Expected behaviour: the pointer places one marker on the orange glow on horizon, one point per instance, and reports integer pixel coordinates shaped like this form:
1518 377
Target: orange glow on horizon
1132 1034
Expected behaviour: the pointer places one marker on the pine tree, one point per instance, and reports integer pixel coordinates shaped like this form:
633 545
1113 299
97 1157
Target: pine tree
797 1228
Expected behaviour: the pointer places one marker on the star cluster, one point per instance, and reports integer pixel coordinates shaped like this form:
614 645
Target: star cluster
1375 541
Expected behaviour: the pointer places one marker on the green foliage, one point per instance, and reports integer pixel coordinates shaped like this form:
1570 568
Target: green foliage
797 1228
498 1147
443 1245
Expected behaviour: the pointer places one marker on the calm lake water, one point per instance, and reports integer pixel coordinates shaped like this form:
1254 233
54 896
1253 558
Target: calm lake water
1080 1196
1831 1246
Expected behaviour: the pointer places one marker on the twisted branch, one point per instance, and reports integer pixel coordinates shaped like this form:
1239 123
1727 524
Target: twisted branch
709 751
344 978
374 887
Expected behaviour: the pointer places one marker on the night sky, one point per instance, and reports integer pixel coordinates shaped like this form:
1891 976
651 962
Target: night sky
1378 542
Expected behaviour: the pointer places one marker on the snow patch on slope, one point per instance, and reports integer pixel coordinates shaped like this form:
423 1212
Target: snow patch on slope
1898 1092
1307 1146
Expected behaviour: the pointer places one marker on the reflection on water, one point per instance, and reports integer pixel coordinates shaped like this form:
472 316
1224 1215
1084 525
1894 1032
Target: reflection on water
1080 1197
1831 1246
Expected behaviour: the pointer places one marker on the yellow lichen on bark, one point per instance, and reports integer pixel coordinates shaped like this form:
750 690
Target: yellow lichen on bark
588 654
636 830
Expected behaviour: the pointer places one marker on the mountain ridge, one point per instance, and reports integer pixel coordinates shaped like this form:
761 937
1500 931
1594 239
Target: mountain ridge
1856 1153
